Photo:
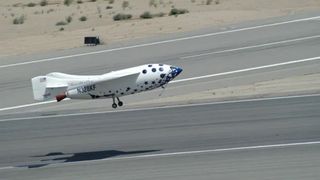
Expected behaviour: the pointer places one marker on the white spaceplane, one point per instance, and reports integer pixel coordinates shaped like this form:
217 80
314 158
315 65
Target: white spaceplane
110 85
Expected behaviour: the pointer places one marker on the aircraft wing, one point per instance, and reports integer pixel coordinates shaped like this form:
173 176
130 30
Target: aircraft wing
116 78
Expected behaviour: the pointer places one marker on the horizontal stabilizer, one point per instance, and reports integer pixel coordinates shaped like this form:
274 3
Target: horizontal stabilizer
46 88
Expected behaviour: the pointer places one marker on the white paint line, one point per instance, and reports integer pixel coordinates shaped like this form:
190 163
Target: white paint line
161 42
7 167
190 79
183 153
30 105
216 150
252 47
161 107
248 69
27 105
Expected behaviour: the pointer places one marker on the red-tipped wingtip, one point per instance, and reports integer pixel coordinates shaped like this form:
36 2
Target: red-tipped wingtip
60 97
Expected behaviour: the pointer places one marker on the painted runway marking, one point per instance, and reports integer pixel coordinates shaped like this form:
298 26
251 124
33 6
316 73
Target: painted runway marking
26 105
161 107
249 69
183 153
161 42
252 47
191 79
217 150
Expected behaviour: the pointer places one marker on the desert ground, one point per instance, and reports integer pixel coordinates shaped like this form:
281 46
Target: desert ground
39 31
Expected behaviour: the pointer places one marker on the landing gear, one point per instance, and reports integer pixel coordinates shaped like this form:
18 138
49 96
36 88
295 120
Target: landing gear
120 103
114 105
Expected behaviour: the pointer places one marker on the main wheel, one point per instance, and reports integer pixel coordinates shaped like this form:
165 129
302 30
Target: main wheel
120 103
114 105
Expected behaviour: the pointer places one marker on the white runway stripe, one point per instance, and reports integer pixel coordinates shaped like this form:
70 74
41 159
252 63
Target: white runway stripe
26 105
249 69
160 42
218 150
183 153
252 47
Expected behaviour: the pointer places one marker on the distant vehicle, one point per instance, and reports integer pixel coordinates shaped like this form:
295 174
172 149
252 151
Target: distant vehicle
110 85
91 40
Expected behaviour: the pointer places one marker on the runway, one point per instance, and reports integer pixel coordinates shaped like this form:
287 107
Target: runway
301 42
69 140
55 148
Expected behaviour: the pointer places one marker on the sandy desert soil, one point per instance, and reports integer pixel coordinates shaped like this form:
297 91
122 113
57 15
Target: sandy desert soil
39 32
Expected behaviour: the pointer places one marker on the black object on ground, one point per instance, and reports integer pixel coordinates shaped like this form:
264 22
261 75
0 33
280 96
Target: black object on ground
91 40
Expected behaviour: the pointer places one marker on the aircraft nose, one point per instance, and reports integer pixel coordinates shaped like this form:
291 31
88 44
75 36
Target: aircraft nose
175 71
179 70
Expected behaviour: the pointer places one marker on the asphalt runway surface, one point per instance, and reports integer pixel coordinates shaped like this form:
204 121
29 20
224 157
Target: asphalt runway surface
50 146
86 146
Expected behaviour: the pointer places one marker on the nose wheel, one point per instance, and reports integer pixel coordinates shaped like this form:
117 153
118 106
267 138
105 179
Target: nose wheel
114 105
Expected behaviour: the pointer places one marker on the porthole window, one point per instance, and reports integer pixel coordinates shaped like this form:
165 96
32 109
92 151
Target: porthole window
160 69
153 82
150 65
162 75
154 69
146 82
144 71
160 64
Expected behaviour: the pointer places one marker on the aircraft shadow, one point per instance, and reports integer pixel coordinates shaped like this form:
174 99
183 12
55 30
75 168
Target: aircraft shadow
60 157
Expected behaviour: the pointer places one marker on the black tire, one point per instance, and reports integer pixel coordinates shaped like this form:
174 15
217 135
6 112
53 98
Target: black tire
114 105
120 103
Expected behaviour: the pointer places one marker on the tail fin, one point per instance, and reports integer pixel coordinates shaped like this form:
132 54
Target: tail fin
46 88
